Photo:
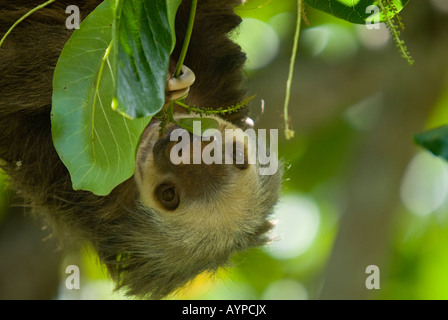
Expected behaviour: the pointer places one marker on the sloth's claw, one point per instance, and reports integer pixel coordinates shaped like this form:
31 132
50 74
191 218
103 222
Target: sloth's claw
179 87
178 94
185 80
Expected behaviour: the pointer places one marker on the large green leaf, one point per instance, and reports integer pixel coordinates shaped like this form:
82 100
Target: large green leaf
143 39
353 11
435 140
96 144
118 59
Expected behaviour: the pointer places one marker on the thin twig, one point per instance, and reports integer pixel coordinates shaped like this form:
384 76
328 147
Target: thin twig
289 133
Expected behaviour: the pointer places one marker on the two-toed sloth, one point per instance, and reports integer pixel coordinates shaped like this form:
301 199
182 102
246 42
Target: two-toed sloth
167 223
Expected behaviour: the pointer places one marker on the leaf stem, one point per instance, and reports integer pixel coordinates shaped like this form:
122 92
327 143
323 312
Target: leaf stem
96 96
183 52
288 132
23 18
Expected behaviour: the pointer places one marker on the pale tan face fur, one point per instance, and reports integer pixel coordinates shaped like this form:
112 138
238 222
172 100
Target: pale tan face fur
192 217
209 201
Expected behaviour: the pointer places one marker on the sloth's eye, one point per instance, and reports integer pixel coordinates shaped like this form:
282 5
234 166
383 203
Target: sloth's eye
168 196
238 155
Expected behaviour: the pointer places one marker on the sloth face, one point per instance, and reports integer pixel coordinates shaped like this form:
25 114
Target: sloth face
191 217
217 194
200 200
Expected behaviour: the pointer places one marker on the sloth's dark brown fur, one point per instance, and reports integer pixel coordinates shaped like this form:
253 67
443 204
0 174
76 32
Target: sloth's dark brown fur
128 239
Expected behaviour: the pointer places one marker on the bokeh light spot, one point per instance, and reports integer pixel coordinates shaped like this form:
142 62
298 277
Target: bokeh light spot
331 42
259 41
298 223
373 39
441 5
424 187
285 289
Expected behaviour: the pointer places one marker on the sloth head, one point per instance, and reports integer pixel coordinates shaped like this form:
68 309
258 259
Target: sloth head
191 217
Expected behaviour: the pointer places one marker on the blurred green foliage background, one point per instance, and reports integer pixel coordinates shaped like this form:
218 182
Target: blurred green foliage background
357 190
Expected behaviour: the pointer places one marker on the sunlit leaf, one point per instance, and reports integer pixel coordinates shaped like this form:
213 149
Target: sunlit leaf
96 144
143 41
117 60
354 11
